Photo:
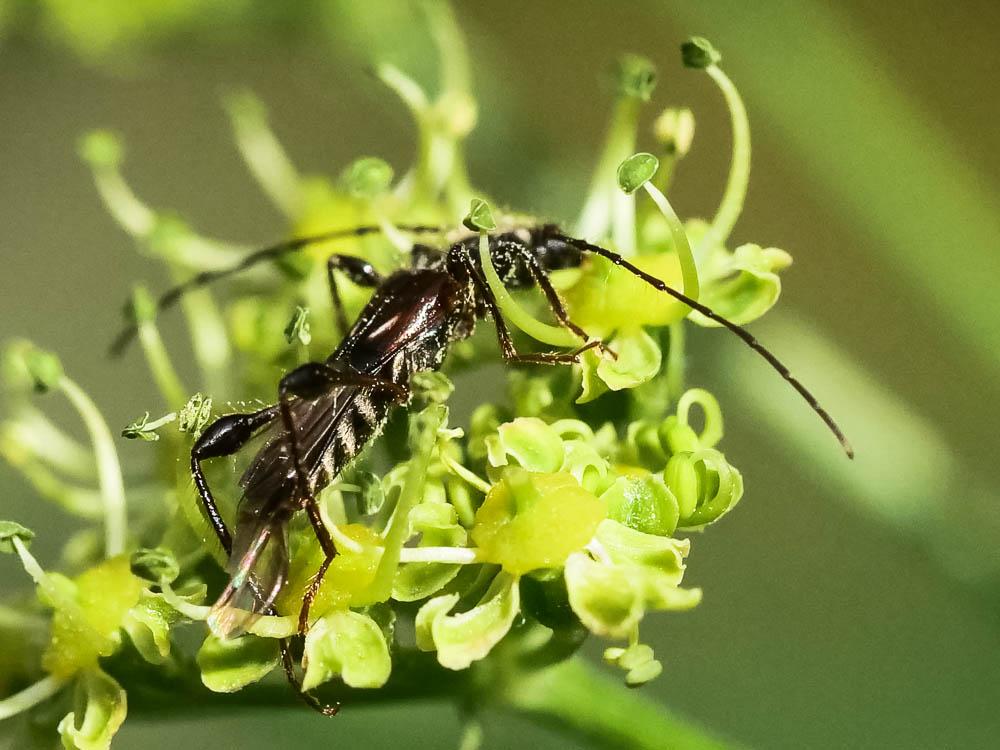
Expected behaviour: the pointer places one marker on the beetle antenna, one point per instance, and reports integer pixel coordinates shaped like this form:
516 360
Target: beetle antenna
171 296
709 313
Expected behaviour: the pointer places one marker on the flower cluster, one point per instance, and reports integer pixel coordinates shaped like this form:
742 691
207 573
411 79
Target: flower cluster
563 508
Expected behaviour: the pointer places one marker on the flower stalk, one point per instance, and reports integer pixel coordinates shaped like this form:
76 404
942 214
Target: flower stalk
699 53
109 472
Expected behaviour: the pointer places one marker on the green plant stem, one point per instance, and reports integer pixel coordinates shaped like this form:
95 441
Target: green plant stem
739 168
35 433
134 216
31 696
573 697
109 471
689 270
596 217
424 427
470 477
12 618
167 381
209 337
152 693
517 315
577 699
263 153
675 360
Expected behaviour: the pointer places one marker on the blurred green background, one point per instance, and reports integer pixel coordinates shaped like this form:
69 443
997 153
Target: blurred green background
846 604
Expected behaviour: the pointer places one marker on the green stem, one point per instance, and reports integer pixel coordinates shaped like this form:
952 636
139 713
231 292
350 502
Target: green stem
109 471
517 315
579 700
453 53
573 697
596 217
450 555
31 696
134 216
78 500
675 360
182 251
167 381
739 167
48 588
424 427
16 619
467 475
689 270
209 338
665 174
35 433
263 153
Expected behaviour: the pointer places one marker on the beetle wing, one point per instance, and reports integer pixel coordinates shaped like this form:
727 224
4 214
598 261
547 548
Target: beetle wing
258 568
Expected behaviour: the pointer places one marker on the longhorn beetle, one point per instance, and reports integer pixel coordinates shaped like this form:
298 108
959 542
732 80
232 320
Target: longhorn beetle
327 412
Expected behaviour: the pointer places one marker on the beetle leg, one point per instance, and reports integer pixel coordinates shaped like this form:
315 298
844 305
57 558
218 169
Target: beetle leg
309 381
359 271
557 306
224 437
507 350
329 552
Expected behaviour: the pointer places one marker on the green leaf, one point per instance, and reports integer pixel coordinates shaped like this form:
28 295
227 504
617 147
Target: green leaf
635 571
636 171
591 384
347 644
582 461
227 666
626 546
463 638
638 361
428 614
99 708
480 217
605 298
9 530
654 563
